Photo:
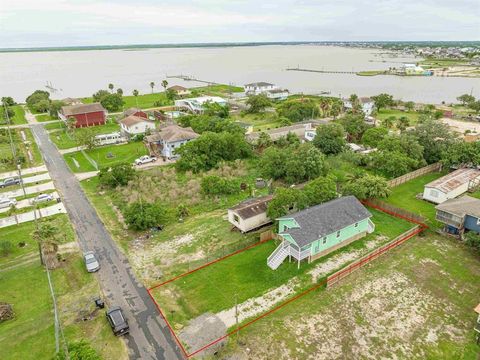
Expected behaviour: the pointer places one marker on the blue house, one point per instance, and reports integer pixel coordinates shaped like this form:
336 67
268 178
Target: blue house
459 215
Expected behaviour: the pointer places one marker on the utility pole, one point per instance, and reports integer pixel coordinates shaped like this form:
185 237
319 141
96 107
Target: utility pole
13 149
236 315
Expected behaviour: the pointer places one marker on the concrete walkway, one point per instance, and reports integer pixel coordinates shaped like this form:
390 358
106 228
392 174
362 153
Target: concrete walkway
36 178
30 216
27 171
31 119
71 150
25 203
29 190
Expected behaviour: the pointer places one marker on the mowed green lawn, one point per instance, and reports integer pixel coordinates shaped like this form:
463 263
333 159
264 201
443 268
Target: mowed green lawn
143 101
24 285
21 149
63 140
412 116
18 118
44 117
105 156
404 196
246 275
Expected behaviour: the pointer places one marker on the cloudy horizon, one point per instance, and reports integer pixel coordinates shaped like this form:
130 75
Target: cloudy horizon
52 23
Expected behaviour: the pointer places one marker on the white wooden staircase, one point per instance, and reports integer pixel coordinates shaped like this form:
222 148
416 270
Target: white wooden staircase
277 257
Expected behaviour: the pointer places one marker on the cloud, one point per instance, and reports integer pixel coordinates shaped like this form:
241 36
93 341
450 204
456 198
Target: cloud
85 22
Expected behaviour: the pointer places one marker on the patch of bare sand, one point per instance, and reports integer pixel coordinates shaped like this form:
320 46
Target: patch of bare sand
388 314
256 306
147 256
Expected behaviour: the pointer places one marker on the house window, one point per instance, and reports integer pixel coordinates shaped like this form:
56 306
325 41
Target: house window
356 224
324 240
478 221
434 193
236 218
338 234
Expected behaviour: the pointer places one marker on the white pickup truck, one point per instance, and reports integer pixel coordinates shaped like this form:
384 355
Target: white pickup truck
145 159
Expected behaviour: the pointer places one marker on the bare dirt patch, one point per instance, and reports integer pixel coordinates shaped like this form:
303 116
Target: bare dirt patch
148 257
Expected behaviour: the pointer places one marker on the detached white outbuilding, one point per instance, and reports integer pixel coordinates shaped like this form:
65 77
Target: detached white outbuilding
452 185
134 125
250 214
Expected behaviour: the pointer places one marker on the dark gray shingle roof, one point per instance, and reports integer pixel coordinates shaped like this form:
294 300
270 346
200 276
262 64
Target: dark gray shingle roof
324 219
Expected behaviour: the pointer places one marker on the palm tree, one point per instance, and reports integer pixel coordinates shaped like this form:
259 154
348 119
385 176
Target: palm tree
164 84
111 86
135 93
402 123
13 212
336 109
389 121
152 85
46 237
71 122
355 102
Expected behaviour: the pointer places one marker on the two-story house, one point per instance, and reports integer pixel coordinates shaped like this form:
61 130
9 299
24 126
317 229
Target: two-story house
168 139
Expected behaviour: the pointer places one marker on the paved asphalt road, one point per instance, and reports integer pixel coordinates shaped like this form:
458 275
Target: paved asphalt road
149 336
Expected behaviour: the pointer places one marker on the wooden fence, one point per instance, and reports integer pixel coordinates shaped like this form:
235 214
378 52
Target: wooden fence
414 174
347 270
395 211
267 235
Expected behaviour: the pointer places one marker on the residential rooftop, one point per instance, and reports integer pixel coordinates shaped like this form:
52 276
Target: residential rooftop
465 205
325 219
454 180
81 109
132 120
173 133
252 207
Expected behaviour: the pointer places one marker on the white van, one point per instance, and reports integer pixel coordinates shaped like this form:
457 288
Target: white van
7 202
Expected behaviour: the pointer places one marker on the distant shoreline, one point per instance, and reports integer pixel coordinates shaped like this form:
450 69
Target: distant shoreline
375 44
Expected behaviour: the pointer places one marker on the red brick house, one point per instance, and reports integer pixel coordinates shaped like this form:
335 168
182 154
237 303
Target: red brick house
85 114
135 112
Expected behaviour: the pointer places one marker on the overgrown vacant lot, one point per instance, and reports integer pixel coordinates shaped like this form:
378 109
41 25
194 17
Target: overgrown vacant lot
414 303
104 156
246 275
412 116
64 140
24 285
21 148
18 118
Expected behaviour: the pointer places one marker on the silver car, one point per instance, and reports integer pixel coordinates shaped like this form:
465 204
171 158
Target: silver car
42 198
91 261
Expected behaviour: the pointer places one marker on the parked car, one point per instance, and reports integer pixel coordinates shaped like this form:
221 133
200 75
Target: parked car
91 262
7 202
10 181
42 198
117 321
145 159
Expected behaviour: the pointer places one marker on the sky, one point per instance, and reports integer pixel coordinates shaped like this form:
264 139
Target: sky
38 23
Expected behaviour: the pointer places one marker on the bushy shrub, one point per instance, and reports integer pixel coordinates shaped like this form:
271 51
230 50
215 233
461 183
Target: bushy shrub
216 185
141 215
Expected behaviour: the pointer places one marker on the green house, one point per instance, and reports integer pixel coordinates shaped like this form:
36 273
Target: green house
316 231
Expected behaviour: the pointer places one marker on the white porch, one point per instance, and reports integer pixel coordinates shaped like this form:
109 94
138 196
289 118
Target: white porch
284 250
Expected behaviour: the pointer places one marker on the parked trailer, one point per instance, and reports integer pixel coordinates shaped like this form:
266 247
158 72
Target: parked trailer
109 139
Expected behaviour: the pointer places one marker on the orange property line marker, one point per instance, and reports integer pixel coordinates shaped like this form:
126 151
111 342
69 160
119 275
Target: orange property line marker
278 307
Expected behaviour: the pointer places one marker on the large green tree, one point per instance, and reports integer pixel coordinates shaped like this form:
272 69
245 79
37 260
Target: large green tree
258 103
208 150
116 175
298 109
142 215
435 137
372 136
383 100
367 187
466 99
330 138
320 190
286 200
